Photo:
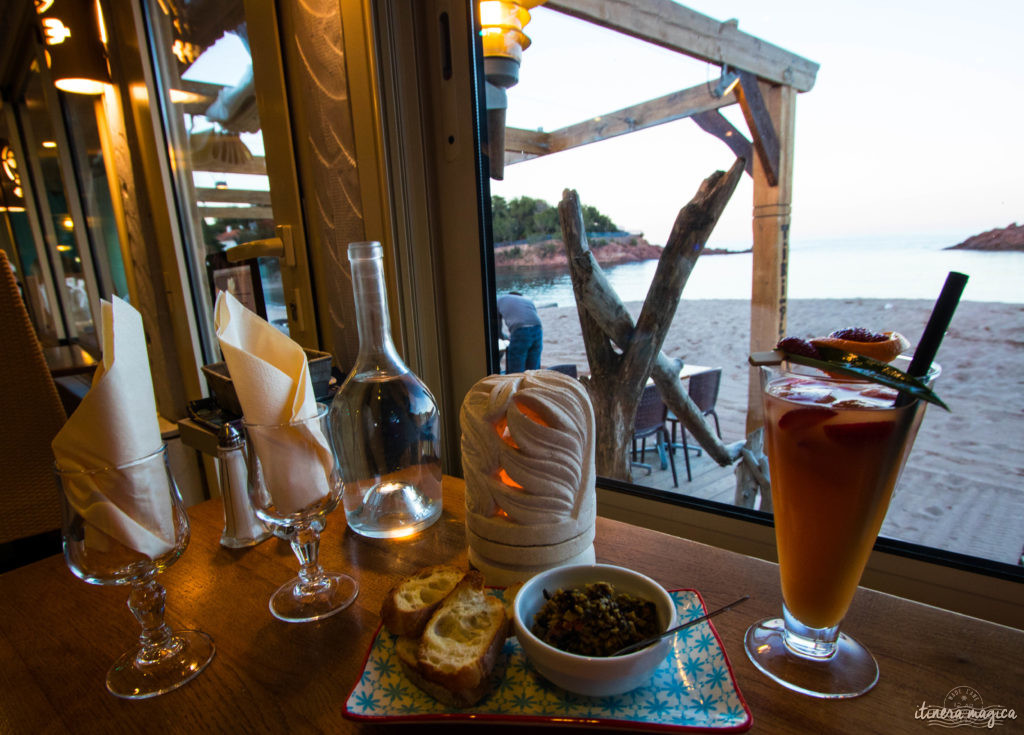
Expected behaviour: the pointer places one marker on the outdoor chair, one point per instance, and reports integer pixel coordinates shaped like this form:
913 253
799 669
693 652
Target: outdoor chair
703 390
650 422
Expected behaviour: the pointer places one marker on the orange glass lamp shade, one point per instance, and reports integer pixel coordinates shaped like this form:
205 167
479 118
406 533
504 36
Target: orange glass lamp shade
75 38
501 31
501 24
528 459
503 41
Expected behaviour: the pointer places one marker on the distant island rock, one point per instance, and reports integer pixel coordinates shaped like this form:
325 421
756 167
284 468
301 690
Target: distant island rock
1000 239
607 251
724 251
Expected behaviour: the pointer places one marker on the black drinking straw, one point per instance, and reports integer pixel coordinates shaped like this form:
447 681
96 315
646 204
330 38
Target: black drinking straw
935 330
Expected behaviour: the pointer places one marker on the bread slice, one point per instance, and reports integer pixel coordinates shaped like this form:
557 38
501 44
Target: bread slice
407 648
463 637
410 603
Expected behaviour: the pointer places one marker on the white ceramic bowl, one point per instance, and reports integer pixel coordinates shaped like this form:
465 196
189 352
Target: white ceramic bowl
595 676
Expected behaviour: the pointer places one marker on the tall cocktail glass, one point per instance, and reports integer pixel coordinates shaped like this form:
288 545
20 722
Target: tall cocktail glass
836 447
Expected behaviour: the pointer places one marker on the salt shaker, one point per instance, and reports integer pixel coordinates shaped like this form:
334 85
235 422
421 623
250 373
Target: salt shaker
242 527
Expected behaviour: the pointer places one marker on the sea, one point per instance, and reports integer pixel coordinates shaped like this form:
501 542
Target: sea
870 268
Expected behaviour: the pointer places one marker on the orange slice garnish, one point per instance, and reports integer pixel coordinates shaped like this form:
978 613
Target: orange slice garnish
885 350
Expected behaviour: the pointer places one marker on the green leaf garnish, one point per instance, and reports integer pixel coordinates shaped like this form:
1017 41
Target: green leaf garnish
858 366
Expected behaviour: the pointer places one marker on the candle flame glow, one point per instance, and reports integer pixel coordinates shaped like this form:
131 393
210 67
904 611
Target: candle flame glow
507 480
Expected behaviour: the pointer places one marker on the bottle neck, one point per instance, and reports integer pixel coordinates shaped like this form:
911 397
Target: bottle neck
376 350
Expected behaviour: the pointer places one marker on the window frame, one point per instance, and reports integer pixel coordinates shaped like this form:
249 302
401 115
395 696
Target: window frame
970 585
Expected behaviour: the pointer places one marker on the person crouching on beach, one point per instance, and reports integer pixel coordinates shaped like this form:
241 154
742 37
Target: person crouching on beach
526 338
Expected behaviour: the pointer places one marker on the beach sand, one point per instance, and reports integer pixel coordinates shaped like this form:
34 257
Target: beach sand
963 488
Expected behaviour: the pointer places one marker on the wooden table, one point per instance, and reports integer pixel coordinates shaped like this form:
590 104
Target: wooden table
59 635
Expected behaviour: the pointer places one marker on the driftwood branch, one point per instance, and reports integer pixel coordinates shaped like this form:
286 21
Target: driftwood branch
752 474
618 376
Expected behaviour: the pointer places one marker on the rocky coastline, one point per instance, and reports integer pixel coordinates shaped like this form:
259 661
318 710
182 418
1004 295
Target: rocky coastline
635 248
1000 239
607 251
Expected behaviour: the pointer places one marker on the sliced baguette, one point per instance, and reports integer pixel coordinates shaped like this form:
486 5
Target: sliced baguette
410 603
407 648
463 637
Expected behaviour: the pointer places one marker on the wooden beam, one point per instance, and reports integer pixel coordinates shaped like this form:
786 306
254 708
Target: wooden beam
677 28
206 89
532 142
257 165
714 122
240 196
762 129
512 158
526 144
674 106
233 196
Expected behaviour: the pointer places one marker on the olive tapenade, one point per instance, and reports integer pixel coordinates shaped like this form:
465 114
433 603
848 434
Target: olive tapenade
594 620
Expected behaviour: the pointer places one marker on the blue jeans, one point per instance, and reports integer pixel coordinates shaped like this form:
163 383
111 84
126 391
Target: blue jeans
524 349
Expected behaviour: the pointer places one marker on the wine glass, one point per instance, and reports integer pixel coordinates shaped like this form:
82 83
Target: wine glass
294 482
836 447
121 526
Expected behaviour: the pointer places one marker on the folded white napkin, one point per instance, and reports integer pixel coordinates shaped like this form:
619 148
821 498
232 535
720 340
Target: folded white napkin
271 377
115 424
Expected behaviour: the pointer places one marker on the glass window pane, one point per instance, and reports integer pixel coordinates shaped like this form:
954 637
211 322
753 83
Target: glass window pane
100 221
867 244
214 135
25 254
58 224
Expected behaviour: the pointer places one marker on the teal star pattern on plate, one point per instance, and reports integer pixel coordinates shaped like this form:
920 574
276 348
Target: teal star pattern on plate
692 689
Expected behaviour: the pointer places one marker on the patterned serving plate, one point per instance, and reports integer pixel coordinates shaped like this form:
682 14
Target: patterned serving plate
692 690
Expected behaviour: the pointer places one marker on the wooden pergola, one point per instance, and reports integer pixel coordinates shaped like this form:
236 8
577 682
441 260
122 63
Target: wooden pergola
768 80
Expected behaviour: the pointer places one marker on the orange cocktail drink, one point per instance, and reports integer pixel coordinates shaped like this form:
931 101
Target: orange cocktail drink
840 416
835 450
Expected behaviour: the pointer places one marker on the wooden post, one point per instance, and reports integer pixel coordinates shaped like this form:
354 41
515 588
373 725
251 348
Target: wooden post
771 242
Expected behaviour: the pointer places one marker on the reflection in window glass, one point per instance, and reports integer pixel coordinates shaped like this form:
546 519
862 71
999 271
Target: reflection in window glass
56 217
27 260
214 134
87 151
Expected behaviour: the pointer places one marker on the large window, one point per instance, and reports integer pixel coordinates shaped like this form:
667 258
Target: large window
889 172
215 139
26 253
60 209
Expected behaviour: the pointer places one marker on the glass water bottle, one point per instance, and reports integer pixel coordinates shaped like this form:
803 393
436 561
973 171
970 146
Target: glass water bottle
385 424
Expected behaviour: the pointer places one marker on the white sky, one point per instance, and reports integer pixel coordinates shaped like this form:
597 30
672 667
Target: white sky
911 128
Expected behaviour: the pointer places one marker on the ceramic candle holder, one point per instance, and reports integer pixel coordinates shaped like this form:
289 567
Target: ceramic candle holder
528 459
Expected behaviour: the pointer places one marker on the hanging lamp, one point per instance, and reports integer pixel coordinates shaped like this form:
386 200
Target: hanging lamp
75 38
501 32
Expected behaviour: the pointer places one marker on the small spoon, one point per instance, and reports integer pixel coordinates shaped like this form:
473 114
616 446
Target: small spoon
670 631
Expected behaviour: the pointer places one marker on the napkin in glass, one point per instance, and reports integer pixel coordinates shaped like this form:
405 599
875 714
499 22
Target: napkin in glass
271 377
115 424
